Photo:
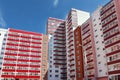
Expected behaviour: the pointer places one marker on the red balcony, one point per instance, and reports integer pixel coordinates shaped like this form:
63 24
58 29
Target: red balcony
71 50
56 63
112 53
89 61
8 70
111 35
113 62
70 41
114 26
90 75
86 37
104 11
72 76
71 59
6 64
21 70
88 48
85 27
10 54
34 65
112 44
72 70
71 65
59 59
11 44
90 68
71 54
59 50
24 65
27 55
14 35
114 72
109 21
63 72
103 18
59 54
37 38
86 32
36 71
10 59
89 54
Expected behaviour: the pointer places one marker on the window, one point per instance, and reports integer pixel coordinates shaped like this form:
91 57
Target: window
56 71
99 62
56 66
97 42
100 70
50 75
79 75
97 48
56 75
110 58
95 30
50 70
98 55
96 36
50 66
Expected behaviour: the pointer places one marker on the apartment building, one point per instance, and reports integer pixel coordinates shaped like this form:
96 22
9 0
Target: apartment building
78 54
90 67
74 18
57 49
44 71
101 61
110 18
21 55
3 36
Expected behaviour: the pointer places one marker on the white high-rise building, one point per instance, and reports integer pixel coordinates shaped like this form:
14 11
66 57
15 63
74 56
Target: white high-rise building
73 19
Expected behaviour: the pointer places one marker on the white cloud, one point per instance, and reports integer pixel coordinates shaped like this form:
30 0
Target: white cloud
2 21
55 3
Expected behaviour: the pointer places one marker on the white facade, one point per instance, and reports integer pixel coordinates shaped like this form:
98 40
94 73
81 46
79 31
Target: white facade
3 36
53 71
99 44
74 18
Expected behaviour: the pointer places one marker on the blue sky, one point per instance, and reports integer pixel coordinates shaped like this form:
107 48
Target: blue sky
32 15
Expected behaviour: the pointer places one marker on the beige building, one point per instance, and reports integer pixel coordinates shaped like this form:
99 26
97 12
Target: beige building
44 58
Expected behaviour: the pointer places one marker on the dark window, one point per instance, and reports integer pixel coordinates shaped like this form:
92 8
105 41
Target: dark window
50 75
50 70
110 58
56 76
56 71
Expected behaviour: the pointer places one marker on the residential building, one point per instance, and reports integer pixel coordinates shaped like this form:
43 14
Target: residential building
101 61
57 49
44 73
74 18
110 17
90 67
3 36
22 55
78 54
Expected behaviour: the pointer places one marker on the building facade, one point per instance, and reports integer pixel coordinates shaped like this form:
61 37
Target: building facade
90 68
57 49
110 18
22 55
101 61
78 54
3 36
44 71
74 18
